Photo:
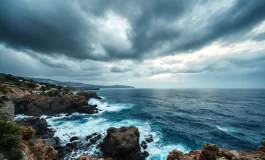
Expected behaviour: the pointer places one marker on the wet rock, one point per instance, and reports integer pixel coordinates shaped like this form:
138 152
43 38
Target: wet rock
122 143
96 138
108 106
74 138
88 137
144 145
150 138
145 154
72 145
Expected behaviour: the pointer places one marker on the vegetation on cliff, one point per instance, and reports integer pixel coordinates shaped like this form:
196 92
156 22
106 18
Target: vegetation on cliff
10 140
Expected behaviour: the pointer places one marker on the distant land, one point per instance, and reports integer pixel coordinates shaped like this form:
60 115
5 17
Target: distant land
76 85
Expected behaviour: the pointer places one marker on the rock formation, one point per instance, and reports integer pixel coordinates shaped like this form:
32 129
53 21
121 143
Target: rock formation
7 109
88 95
39 125
123 143
212 152
37 105
35 149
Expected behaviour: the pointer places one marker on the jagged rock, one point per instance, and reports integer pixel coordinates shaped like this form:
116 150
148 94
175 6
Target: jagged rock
39 125
7 109
212 152
43 150
175 154
123 143
96 138
88 95
144 145
150 138
72 145
36 105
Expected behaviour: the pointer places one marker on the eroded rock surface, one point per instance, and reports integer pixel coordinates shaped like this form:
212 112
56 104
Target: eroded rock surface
7 109
212 152
36 105
123 143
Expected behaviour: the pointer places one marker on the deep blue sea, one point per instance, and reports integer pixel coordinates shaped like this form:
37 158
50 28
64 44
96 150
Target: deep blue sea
182 119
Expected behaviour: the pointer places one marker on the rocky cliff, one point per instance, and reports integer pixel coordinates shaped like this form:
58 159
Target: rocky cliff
7 109
37 105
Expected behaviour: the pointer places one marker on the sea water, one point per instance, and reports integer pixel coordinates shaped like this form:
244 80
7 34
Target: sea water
181 119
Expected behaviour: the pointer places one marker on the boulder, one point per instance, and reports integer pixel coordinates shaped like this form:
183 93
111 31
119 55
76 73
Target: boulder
123 143
74 138
149 138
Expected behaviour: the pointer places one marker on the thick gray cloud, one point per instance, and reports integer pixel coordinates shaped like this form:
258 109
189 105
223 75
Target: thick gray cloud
68 27
102 41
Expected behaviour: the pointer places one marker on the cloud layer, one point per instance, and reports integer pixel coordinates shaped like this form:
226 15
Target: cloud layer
110 42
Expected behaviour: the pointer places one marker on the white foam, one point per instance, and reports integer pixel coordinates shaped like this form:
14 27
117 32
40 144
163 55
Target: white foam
20 116
113 107
82 125
226 129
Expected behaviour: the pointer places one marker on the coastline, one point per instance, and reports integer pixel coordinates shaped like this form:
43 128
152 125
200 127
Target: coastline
77 150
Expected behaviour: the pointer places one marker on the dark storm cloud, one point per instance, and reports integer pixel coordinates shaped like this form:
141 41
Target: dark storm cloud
67 27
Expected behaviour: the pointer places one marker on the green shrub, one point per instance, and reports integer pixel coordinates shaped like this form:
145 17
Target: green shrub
31 85
10 140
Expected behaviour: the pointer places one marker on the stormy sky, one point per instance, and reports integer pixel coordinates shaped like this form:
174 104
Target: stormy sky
147 44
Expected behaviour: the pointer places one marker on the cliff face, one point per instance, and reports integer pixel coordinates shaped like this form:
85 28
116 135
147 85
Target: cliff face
7 109
35 149
37 105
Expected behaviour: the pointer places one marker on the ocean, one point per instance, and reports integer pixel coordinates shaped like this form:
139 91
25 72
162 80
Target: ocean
182 119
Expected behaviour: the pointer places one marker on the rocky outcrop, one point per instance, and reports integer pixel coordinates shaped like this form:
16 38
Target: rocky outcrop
35 149
123 143
212 152
88 95
37 105
39 125
7 109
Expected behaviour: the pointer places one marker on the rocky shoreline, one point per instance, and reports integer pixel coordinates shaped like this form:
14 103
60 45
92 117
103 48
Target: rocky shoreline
38 141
